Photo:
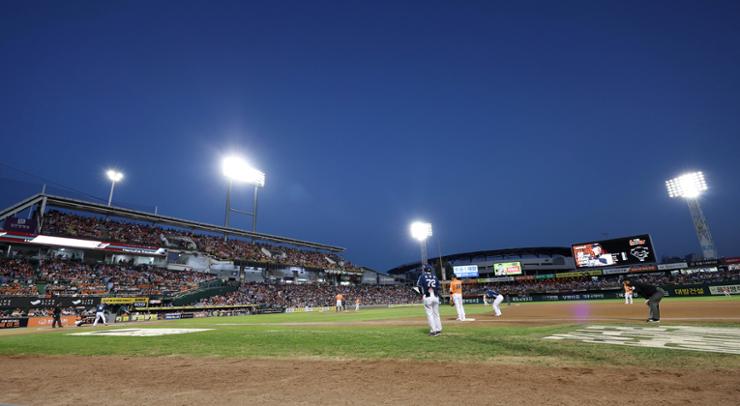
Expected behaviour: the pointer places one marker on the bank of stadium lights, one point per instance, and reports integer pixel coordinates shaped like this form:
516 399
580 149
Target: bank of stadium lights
236 169
114 176
420 231
690 187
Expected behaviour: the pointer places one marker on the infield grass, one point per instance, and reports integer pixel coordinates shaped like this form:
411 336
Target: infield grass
359 335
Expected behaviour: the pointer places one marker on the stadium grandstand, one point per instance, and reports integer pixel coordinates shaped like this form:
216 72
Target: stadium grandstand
57 248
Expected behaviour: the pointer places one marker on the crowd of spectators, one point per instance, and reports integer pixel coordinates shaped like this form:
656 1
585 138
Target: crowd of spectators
70 278
70 225
313 295
17 278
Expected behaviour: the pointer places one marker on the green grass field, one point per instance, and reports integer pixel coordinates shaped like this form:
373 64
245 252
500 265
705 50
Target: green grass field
359 335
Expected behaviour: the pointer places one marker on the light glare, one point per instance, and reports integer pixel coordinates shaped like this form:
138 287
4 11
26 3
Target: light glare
237 169
689 185
114 175
420 230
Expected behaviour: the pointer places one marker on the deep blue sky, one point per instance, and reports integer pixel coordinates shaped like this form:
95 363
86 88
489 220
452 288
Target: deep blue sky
506 124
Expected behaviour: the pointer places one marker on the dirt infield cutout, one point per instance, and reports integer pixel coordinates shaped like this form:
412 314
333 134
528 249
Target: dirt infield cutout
141 332
707 339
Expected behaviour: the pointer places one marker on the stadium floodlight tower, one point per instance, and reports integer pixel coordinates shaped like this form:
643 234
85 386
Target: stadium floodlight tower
690 186
421 231
114 176
237 169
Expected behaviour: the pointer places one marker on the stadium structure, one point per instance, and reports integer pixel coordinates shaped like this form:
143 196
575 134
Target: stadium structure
60 249
552 273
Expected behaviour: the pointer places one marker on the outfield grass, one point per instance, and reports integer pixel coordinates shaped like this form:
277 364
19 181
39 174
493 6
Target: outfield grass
282 336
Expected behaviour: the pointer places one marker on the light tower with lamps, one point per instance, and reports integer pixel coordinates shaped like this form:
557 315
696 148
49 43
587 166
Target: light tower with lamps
114 176
690 186
420 231
237 169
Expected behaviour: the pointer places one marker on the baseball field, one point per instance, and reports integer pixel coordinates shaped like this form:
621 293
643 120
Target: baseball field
536 353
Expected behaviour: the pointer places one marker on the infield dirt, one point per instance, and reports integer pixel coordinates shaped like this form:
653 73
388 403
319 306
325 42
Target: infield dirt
215 381
181 380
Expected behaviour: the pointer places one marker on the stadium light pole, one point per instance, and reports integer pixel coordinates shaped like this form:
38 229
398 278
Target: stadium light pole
114 176
690 187
236 169
420 231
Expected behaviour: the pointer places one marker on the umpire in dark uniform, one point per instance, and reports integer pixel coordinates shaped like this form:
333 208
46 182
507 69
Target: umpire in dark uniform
653 294
57 315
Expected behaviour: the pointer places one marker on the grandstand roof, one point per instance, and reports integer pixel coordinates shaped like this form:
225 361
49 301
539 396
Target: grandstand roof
81 205
506 252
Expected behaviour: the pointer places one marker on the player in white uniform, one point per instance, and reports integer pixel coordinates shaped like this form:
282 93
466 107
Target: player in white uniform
496 298
428 286
100 315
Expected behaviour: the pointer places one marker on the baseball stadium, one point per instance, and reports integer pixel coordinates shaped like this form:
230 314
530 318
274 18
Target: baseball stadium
182 312
244 202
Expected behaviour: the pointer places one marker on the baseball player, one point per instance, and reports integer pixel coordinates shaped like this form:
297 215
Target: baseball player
428 286
495 297
457 298
628 289
340 302
357 304
100 315
654 295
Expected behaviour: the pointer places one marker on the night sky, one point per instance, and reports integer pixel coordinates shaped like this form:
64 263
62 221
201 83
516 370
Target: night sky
505 124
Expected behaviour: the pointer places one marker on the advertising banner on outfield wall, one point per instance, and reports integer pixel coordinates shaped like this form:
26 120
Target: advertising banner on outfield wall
675 265
578 274
36 302
703 262
643 268
683 291
725 290
13 322
47 321
615 271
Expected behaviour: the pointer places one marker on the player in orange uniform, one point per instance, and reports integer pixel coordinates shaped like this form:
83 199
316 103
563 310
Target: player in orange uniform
628 293
340 302
456 293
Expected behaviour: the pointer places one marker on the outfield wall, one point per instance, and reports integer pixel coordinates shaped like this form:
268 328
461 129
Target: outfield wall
732 288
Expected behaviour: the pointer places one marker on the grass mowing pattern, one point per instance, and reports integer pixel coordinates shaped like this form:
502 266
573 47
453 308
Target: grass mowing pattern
267 336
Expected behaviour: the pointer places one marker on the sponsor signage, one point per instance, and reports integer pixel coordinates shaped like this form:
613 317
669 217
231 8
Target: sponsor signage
615 271
499 279
136 301
47 321
13 322
643 268
20 225
689 291
725 290
577 274
619 251
675 265
731 260
465 271
507 268
22 302
703 262
19 237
